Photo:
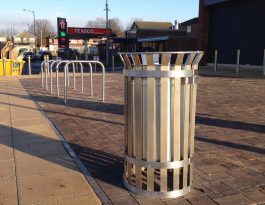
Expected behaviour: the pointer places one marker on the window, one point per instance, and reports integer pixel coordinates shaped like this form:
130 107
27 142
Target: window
17 39
188 29
32 40
25 40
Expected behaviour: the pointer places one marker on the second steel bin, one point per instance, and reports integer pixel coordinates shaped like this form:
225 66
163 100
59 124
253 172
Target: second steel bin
160 102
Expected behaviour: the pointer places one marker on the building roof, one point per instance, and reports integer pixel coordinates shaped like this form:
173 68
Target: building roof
3 35
212 2
190 22
24 34
151 25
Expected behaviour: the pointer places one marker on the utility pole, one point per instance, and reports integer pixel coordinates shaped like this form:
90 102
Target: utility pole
107 27
40 38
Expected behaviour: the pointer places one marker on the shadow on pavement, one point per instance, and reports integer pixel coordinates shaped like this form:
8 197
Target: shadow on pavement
230 124
103 166
89 105
231 145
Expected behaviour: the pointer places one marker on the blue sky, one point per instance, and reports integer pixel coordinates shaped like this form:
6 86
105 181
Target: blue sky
78 12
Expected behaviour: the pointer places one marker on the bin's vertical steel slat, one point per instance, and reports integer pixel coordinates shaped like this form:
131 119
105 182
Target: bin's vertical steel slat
193 111
164 121
130 122
176 121
157 114
150 122
138 121
126 103
144 139
186 119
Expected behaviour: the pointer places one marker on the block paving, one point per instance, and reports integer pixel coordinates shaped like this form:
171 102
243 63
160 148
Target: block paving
229 142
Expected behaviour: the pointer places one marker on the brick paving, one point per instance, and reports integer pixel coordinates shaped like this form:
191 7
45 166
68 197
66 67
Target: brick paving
229 144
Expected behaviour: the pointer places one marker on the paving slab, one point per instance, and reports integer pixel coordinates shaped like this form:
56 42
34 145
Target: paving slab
7 170
52 187
8 192
35 167
42 166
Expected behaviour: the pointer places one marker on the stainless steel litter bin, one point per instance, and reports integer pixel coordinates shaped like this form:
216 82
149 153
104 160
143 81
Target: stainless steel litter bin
160 102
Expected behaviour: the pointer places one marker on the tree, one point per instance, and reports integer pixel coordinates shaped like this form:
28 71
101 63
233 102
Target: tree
117 27
99 22
44 29
114 23
9 31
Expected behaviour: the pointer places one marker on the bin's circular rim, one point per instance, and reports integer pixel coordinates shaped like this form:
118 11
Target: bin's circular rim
156 194
173 52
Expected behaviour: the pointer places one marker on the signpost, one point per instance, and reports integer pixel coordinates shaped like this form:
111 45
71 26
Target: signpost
63 41
65 33
86 33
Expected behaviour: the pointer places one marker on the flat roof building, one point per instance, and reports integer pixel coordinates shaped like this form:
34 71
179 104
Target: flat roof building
228 25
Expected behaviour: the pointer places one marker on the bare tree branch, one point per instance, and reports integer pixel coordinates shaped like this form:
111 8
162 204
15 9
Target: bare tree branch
117 27
43 28
114 23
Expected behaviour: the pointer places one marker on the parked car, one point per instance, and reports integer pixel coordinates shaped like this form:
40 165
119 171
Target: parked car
68 53
41 54
26 56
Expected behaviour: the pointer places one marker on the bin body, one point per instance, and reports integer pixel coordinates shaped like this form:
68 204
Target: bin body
160 102
12 67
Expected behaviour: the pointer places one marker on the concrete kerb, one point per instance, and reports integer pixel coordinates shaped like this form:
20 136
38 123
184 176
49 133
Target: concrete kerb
90 179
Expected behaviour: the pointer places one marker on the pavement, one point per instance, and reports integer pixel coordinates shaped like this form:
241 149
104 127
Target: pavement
229 143
224 71
35 167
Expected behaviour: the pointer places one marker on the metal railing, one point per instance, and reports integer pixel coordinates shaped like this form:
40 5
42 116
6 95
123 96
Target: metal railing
47 68
66 77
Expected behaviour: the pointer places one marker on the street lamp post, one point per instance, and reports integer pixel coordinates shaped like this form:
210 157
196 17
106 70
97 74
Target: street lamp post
34 25
107 27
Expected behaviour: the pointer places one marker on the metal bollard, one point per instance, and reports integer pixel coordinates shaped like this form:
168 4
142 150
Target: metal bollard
264 62
238 61
29 65
113 62
215 60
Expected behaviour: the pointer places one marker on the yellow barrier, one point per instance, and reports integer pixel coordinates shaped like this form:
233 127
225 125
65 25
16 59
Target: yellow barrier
11 67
